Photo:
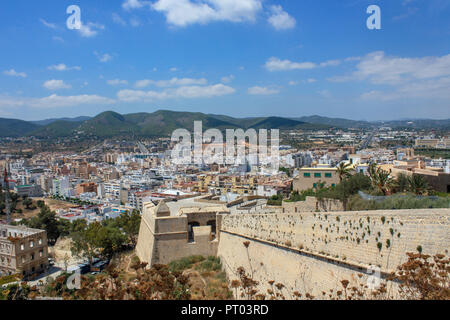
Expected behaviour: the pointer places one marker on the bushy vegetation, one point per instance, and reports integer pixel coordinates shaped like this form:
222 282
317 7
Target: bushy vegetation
194 277
98 239
417 279
185 263
275 200
210 264
8 279
404 192
356 203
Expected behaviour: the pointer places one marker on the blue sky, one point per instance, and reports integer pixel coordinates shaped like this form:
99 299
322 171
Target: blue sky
235 57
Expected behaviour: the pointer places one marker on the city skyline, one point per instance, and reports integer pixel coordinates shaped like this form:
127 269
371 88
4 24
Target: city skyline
256 58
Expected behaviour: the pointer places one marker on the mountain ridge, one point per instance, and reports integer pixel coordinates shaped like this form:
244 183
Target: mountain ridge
163 122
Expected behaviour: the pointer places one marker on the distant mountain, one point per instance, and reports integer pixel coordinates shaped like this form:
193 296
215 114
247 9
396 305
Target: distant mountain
15 128
49 121
418 124
55 129
336 122
163 123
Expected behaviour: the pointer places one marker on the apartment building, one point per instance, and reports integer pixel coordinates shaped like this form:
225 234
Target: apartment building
23 250
309 178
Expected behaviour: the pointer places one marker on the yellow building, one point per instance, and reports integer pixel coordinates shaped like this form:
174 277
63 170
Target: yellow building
309 178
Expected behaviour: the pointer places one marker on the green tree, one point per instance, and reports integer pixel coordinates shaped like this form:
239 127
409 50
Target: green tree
418 185
86 242
46 220
381 179
351 186
344 170
27 202
286 170
401 184
130 223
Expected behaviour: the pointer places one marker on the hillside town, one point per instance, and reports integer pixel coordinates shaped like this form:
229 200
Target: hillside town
223 155
117 178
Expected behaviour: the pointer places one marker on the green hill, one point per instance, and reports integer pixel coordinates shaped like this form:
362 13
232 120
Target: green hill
55 129
164 122
336 122
15 128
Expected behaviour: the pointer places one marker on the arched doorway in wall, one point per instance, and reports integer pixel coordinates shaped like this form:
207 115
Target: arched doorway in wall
212 223
191 226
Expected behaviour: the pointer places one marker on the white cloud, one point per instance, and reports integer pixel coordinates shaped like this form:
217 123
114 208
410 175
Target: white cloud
262 91
48 24
135 22
378 68
56 85
55 101
118 19
426 77
227 79
63 67
409 12
330 63
324 93
59 39
310 80
90 29
428 89
103 57
173 69
275 64
181 92
182 13
280 19
117 82
135 4
174 82
14 73
143 83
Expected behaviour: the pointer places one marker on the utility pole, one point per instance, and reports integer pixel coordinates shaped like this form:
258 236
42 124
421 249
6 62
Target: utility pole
7 204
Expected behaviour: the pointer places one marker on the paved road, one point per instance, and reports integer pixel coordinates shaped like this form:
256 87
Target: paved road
367 142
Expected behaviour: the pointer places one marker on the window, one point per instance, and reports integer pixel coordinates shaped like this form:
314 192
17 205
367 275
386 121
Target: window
22 246
333 185
315 185
31 244
32 256
317 175
41 253
328 175
307 175
40 241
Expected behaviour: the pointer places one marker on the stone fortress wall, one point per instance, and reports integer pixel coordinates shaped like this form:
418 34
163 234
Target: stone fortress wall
307 251
312 204
164 238
312 252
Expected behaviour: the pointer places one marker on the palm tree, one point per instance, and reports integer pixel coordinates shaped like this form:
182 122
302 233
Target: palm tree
344 170
381 179
417 184
401 183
